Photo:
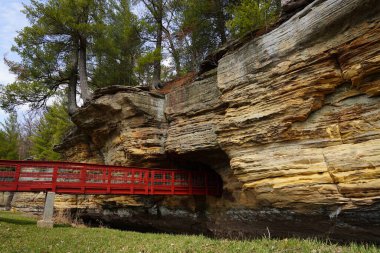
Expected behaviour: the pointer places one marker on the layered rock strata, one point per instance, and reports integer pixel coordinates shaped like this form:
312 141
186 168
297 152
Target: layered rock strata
290 120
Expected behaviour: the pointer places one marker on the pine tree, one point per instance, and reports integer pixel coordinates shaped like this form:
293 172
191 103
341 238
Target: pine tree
152 27
50 130
9 138
253 14
53 51
202 29
27 128
117 50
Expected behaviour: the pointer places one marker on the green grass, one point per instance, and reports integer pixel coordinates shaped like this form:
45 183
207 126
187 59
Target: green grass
20 234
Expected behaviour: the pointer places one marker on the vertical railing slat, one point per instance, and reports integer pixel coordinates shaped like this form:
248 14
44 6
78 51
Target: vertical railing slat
146 182
152 175
109 179
54 178
133 181
17 176
190 182
172 182
82 180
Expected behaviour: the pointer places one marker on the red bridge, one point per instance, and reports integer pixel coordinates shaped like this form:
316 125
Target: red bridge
81 178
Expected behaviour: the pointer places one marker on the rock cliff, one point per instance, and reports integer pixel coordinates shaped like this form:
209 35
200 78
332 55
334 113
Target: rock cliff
289 119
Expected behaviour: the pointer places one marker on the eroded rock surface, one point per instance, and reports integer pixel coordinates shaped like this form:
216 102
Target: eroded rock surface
290 120
302 126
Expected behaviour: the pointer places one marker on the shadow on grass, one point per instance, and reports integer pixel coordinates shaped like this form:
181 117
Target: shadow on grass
62 226
29 222
17 221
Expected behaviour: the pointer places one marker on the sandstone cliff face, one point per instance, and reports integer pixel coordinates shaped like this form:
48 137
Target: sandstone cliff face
302 125
290 120
125 126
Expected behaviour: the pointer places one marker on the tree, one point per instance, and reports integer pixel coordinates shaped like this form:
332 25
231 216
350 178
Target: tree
53 51
202 29
153 24
51 128
171 25
218 8
253 14
9 138
117 50
28 128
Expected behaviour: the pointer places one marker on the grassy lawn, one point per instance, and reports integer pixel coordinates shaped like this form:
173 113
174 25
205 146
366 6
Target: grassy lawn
20 234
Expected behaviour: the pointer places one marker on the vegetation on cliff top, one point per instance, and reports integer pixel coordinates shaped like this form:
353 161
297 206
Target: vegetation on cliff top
72 47
76 46
20 234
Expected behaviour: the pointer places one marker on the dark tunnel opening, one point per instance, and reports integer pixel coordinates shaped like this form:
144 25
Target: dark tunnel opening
214 162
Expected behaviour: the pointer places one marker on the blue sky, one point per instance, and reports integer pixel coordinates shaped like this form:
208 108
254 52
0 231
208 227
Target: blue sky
11 21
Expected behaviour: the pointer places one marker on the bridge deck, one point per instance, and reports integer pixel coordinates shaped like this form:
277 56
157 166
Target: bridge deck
80 178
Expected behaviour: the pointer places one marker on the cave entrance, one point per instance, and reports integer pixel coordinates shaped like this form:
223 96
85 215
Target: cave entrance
213 162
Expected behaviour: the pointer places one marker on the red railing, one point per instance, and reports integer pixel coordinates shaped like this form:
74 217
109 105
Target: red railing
81 178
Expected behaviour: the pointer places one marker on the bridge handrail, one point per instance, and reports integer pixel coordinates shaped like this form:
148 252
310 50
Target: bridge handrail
83 178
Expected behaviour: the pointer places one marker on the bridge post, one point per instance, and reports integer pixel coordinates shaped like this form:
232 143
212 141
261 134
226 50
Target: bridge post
47 219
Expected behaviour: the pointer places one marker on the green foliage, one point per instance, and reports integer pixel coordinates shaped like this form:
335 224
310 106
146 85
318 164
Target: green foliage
253 14
144 66
117 50
20 92
201 29
20 234
9 138
49 47
51 128
120 48
42 66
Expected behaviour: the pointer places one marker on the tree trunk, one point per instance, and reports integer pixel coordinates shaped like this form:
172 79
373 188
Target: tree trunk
174 52
157 62
220 21
85 93
71 91
176 61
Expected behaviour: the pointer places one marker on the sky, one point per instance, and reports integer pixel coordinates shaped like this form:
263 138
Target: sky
11 21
